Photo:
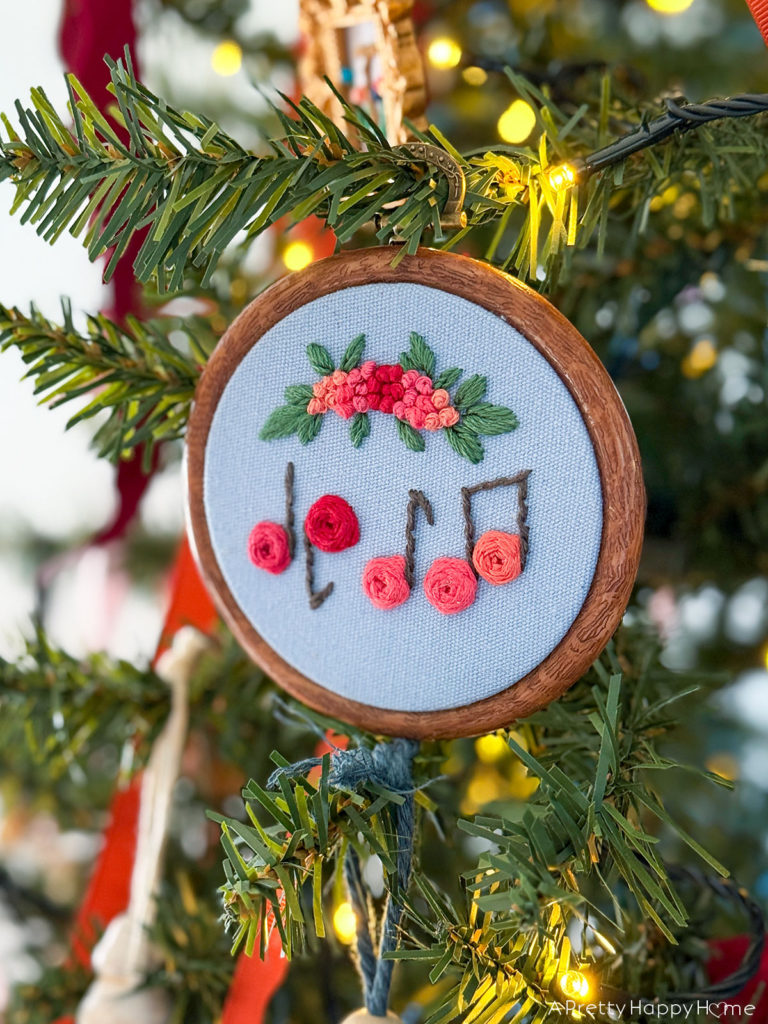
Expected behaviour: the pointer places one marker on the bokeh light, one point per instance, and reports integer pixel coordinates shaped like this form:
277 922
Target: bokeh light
491 748
444 53
473 75
345 923
701 358
227 58
517 122
575 985
297 255
669 6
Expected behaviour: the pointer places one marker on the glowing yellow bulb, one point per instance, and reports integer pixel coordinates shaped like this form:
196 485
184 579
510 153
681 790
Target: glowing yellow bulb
444 53
298 255
669 6
701 358
575 985
345 923
491 748
474 75
562 177
227 58
517 122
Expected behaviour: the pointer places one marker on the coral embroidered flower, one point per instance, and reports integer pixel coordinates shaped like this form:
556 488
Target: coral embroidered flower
450 585
384 581
498 556
269 548
331 524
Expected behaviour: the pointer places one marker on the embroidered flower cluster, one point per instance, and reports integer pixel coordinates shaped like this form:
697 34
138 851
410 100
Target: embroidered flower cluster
409 390
406 394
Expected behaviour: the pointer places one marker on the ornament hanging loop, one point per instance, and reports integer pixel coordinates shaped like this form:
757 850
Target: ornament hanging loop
453 215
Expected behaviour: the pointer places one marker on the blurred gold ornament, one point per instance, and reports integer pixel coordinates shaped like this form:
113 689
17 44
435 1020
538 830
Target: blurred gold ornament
227 58
724 765
517 122
444 53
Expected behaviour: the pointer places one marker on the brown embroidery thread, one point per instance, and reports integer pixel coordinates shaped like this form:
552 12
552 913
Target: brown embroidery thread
417 499
289 517
521 480
315 599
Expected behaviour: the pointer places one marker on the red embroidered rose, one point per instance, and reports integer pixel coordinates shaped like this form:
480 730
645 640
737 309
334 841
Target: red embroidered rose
268 547
331 524
498 556
384 581
450 585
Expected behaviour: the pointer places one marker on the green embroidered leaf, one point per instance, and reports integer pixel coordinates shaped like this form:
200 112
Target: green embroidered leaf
298 394
283 422
465 442
309 427
488 419
410 436
419 357
320 359
471 391
353 353
448 378
359 428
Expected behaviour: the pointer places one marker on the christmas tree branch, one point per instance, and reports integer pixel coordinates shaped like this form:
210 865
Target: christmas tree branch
195 188
144 380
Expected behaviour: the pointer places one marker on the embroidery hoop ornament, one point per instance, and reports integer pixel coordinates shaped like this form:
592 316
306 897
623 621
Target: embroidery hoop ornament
610 432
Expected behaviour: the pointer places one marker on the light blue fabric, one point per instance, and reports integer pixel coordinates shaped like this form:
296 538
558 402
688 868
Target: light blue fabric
411 658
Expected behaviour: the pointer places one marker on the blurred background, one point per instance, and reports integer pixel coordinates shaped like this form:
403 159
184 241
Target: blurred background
679 319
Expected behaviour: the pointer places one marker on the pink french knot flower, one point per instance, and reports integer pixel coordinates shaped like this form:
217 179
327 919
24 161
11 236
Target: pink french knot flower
320 387
354 376
338 377
440 398
361 403
432 421
399 410
409 378
450 585
449 417
316 406
269 547
424 385
384 582
410 396
368 368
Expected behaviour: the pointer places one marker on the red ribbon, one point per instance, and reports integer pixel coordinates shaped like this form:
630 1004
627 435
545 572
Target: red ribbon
759 10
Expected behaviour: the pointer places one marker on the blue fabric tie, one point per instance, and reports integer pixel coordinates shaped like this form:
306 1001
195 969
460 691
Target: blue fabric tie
389 765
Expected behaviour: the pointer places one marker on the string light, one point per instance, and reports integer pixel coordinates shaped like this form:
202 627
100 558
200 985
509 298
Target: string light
297 255
517 122
575 985
701 358
474 75
227 58
444 53
491 748
562 177
345 923
669 6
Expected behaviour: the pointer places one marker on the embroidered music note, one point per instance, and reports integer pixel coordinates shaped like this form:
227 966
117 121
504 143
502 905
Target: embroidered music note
388 579
498 556
330 525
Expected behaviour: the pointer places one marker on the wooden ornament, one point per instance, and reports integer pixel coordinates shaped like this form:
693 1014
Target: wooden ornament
414 493
367 48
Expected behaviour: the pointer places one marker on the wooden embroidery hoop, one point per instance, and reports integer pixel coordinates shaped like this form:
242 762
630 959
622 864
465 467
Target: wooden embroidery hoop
612 437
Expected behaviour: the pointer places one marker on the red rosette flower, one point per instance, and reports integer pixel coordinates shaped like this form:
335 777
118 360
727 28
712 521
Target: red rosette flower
331 524
498 557
269 547
384 582
450 585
